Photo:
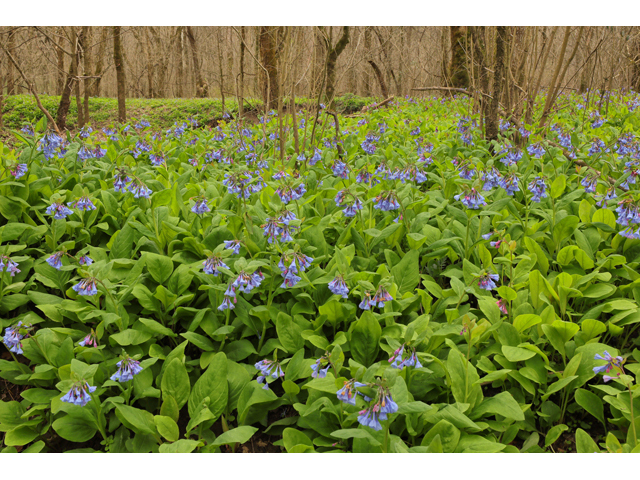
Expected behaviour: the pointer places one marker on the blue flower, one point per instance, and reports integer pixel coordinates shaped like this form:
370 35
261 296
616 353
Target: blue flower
86 287
487 281
127 368
139 189
18 170
228 303
472 199
120 181
348 392
85 260
83 203
9 265
233 245
58 210
370 418
319 372
539 189
339 287
611 362
200 207
212 264
78 394
12 338
55 260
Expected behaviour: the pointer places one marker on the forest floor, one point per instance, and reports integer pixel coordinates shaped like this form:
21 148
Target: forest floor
162 113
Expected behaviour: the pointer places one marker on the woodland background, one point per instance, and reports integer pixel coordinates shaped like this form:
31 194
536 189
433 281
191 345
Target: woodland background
273 64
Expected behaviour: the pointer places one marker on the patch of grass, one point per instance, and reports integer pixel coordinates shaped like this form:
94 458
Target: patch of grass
162 113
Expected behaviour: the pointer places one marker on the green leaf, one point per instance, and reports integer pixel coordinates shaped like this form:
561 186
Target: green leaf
159 266
136 419
501 404
130 337
462 387
167 428
175 382
213 385
449 436
516 354
355 433
75 428
237 435
292 437
528 320
365 339
181 446
21 436
407 273
584 443
559 385
122 243
289 332
413 407
554 433
591 403
558 186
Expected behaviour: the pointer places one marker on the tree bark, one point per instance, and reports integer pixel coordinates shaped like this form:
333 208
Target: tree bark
241 87
65 99
332 57
100 62
380 77
202 89
118 60
268 58
491 118
60 59
180 44
76 87
367 54
11 82
458 73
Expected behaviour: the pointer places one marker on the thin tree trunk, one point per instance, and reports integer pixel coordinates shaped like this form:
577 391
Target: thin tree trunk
367 54
202 89
65 99
120 76
60 58
86 68
270 92
11 82
100 62
458 73
221 70
180 44
332 56
241 89
491 118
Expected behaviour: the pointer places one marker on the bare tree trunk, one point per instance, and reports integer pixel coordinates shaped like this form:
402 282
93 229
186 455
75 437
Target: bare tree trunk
241 89
221 70
380 77
318 65
202 89
491 118
458 74
367 54
11 82
584 77
100 61
65 99
270 92
160 64
60 58
148 50
332 56
119 63
180 44
86 69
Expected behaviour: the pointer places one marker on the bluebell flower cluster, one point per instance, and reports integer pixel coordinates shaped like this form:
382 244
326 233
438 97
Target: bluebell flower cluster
13 338
278 227
141 147
85 132
58 210
55 260
612 363
536 150
491 178
86 287
233 245
212 264
139 189
339 287
370 417
200 207
79 394
471 199
8 265
51 144
288 194
510 183
268 368
120 180
486 281
89 341
379 299
318 371
18 170
157 159
387 201
400 359
83 203
27 129
289 265
348 392
127 369
539 189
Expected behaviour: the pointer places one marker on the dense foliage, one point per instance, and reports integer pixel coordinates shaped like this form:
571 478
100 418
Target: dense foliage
402 285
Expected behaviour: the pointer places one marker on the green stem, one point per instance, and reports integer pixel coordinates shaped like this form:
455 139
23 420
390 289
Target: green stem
226 323
385 448
633 418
